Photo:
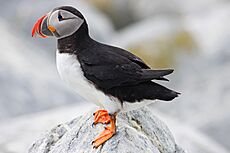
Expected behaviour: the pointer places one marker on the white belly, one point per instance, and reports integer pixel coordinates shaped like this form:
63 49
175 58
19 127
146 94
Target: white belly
70 71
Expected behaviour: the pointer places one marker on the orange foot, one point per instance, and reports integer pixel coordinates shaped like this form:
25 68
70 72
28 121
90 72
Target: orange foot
101 116
109 131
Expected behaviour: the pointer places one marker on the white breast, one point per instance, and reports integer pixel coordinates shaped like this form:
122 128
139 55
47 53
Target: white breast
70 71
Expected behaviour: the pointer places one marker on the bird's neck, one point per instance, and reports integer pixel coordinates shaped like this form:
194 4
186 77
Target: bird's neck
73 44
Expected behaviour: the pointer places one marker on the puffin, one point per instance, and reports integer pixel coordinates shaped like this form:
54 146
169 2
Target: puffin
112 78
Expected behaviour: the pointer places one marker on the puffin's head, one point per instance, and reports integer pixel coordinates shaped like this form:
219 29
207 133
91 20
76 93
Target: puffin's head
61 22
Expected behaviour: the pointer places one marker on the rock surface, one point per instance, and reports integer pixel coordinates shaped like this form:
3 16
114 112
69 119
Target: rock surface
17 134
138 131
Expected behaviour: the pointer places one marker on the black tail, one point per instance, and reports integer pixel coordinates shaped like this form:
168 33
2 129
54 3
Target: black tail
156 74
162 93
145 90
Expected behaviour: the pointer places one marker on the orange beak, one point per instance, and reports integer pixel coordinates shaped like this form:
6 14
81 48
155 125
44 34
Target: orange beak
37 29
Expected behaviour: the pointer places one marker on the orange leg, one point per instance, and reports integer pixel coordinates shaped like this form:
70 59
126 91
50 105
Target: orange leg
109 131
101 116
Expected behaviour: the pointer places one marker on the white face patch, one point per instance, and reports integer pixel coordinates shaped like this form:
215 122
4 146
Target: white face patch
65 23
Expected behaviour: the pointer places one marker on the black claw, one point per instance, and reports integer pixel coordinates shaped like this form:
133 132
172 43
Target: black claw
106 122
94 147
93 124
93 114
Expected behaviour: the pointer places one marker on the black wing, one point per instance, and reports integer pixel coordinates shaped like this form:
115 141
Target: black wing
109 67
131 57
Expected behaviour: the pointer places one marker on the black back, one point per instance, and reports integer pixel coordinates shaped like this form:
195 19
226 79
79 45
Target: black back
114 71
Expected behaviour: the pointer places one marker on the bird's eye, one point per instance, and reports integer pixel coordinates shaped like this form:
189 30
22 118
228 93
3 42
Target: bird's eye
60 17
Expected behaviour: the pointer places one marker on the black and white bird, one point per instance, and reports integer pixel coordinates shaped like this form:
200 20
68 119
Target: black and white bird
110 77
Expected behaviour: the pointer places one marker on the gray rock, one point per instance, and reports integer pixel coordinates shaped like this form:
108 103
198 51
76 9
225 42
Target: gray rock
137 132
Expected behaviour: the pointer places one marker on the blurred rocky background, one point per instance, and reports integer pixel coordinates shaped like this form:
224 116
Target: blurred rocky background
193 37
